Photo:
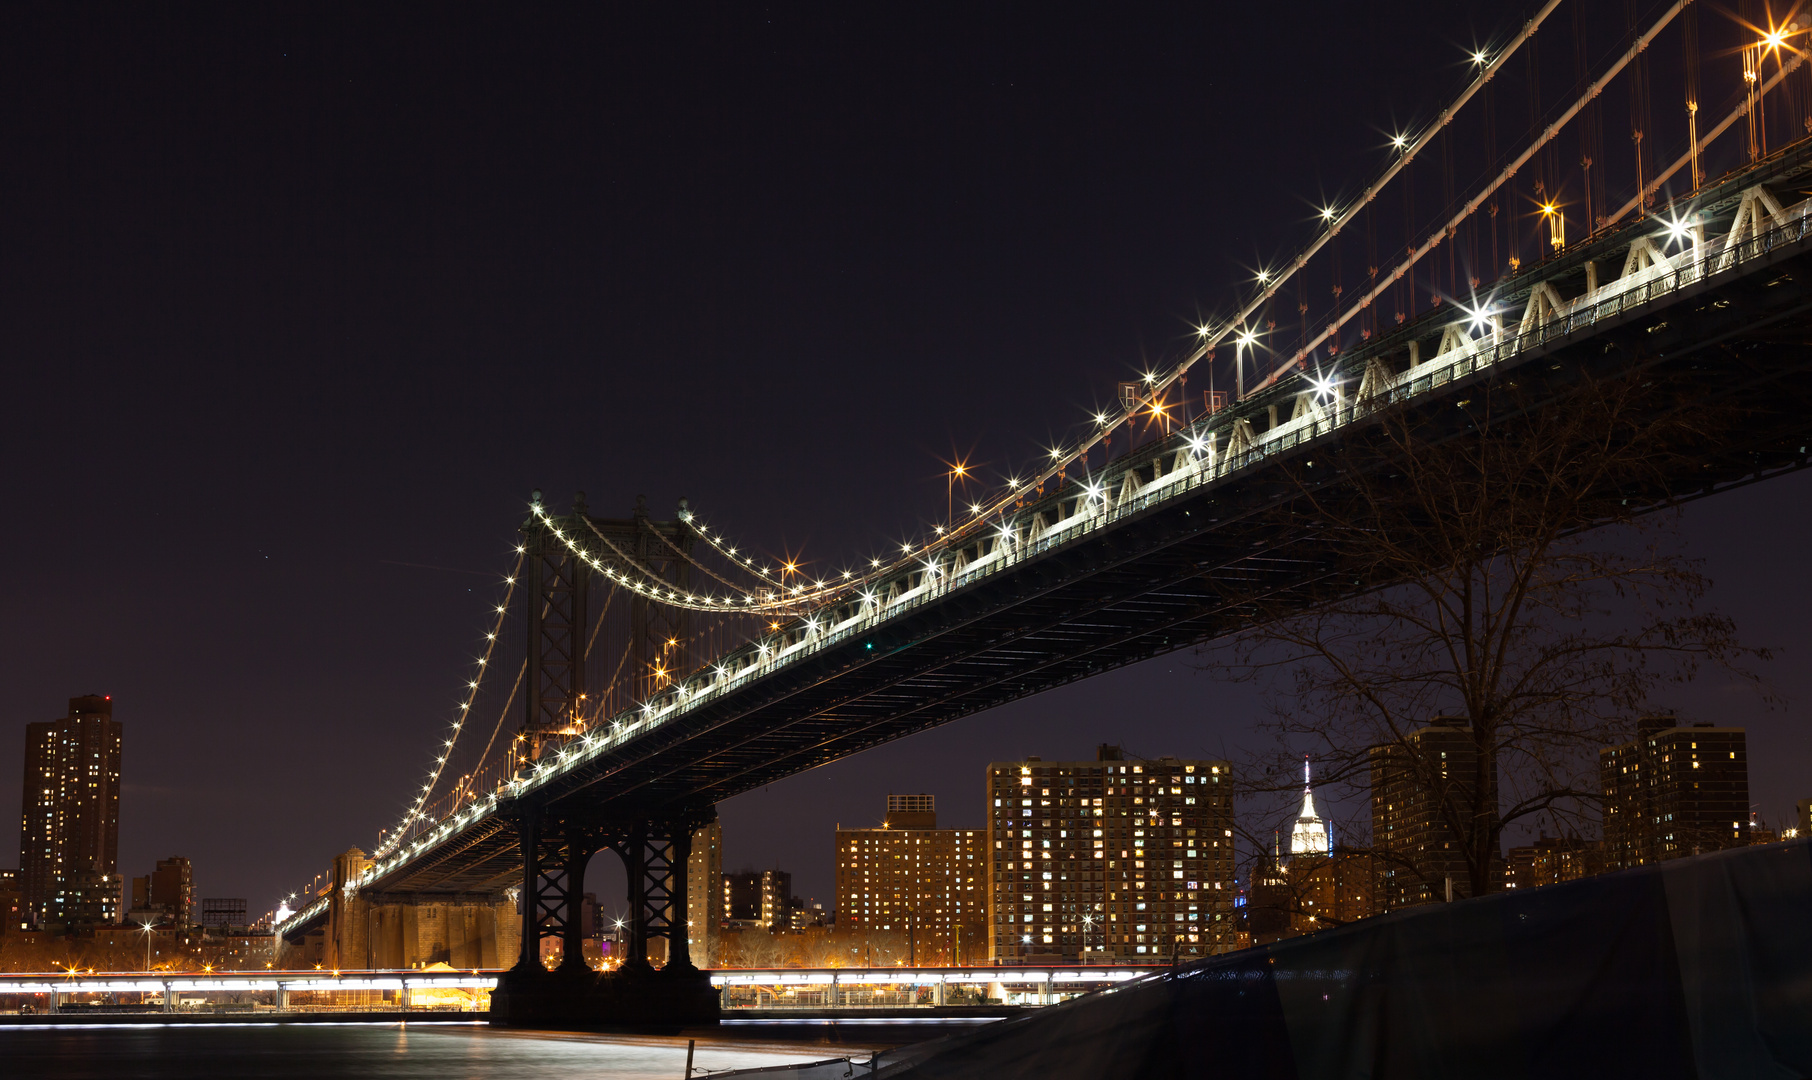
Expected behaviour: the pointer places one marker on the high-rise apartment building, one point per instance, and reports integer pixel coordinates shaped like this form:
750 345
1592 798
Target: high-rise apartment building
1676 790
1419 784
1111 859
705 894
70 820
911 878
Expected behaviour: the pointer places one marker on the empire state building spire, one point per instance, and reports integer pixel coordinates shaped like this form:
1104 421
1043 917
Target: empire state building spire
1310 836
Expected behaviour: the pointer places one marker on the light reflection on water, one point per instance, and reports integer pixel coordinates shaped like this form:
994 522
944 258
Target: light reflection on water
391 1051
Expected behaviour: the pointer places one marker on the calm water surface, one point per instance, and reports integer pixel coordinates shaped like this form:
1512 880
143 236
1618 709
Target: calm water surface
438 1051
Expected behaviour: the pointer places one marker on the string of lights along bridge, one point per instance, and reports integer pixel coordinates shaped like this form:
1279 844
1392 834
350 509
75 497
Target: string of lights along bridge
1518 221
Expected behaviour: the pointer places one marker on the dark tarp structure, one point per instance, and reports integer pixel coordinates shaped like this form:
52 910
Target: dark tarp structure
1699 967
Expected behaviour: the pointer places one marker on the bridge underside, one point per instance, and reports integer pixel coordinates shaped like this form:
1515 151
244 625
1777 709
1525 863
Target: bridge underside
1156 582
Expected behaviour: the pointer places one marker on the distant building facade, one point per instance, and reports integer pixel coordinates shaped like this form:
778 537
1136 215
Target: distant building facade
1677 790
705 894
911 878
758 899
70 818
1417 783
89 898
167 893
1314 887
1111 859
12 903
224 913
1552 860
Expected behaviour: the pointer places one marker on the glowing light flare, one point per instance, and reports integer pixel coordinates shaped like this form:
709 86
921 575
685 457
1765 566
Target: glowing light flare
1679 230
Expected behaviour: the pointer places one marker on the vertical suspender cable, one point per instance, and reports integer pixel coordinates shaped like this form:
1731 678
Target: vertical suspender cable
1638 88
1691 29
1587 119
1497 266
1409 244
1786 69
1371 272
1447 204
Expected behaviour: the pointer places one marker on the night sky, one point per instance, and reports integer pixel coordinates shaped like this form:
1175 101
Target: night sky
298 303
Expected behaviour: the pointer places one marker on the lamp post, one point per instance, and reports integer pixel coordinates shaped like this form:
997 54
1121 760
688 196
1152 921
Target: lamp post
145 929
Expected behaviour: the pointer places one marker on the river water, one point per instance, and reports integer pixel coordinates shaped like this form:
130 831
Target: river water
391 1051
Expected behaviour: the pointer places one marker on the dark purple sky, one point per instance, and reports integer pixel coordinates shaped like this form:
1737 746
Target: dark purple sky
297 304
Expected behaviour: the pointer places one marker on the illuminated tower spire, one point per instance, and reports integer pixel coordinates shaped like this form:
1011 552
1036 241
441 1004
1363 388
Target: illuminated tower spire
1310 836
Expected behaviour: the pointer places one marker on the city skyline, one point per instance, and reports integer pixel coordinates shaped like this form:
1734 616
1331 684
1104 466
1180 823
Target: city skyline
311 450
607 877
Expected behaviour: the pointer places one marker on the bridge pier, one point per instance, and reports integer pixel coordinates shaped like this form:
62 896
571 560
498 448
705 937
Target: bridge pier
636 996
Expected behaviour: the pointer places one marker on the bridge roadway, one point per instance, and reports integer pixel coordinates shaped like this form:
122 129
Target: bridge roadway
1137 560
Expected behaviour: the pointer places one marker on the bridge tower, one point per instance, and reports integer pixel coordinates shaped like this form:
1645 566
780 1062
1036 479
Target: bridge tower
558 844
560 634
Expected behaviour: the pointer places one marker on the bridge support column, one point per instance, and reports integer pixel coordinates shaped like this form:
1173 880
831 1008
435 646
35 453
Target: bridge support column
636 996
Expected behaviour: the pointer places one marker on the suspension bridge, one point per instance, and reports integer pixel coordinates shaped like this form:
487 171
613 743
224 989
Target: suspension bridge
642 670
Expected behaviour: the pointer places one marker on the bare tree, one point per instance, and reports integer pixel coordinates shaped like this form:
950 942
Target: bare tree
1501 572
753 948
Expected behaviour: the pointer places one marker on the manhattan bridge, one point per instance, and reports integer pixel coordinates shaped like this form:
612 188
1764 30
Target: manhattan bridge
638 670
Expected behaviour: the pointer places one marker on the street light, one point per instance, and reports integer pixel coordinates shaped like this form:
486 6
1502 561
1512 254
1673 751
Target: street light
145 929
